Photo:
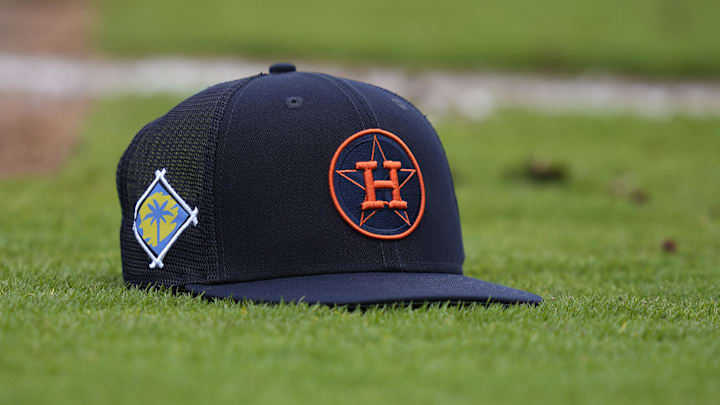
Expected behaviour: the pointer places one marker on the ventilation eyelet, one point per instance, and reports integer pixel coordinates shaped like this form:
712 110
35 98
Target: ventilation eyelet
294 101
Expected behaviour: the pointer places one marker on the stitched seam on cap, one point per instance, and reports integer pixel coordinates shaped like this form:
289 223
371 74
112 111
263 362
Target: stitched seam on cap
220 164
362 122
344 82
439 142
334 83
367 103
335 266
357 110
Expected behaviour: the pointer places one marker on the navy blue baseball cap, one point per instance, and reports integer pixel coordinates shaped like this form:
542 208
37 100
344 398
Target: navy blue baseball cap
296 186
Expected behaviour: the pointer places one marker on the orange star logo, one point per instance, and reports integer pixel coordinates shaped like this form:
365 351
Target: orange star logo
363 176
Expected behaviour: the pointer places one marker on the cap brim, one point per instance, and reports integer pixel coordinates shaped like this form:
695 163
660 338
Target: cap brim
368 289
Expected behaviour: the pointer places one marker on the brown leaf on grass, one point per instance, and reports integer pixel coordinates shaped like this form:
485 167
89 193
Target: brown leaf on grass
545 170
639 196
669 246
539 170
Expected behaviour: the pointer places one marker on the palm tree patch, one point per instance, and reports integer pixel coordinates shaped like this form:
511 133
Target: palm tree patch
160 217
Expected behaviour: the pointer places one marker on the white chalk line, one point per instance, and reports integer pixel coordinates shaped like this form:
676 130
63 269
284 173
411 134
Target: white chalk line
468 94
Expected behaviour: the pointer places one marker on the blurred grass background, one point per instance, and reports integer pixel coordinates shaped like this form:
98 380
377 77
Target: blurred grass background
660 38
624 320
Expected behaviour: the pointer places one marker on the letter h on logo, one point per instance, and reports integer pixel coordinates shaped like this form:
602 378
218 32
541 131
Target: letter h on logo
371 202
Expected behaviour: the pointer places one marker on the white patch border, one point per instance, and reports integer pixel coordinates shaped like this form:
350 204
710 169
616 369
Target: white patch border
160 177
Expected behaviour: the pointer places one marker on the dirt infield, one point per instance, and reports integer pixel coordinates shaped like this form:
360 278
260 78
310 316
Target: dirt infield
36 131
45 26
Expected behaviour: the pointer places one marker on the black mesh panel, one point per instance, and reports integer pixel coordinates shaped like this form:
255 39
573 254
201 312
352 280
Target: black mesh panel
183 142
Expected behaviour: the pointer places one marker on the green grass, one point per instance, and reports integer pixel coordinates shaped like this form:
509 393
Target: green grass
623 322
646 37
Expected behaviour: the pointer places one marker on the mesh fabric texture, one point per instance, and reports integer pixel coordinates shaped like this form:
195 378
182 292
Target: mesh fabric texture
183 141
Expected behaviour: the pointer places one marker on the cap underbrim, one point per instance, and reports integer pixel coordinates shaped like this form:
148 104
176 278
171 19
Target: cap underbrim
368 289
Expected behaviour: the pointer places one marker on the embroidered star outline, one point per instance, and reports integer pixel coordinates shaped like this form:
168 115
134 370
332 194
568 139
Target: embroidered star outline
345 174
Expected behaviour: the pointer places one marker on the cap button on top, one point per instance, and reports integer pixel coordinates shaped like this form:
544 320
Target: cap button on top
282 68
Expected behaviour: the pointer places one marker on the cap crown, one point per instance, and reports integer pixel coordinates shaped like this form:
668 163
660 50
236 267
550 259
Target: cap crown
258 157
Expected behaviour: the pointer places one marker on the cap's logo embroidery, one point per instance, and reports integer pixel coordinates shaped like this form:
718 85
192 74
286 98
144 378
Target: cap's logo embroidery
160 217
376 184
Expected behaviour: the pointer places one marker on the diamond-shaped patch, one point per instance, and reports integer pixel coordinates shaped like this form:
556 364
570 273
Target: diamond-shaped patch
161 215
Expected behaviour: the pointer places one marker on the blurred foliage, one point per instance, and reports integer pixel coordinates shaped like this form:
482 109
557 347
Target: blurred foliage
647 37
